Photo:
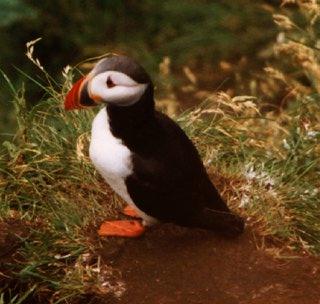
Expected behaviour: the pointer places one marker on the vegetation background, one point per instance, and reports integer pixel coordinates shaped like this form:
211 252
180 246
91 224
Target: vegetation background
197 34
241 77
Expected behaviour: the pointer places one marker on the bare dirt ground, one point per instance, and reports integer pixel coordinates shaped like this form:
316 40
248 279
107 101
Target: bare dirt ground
177 265
170 264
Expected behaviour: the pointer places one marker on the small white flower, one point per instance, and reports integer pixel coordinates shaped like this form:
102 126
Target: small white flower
244 201
312 134
249 172
286 145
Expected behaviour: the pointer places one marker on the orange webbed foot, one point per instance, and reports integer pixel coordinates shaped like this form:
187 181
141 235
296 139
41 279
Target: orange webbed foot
121 228
130 211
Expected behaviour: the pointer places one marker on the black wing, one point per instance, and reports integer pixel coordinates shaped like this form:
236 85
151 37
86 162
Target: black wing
169 181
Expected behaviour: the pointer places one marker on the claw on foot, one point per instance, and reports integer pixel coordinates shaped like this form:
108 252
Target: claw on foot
121 228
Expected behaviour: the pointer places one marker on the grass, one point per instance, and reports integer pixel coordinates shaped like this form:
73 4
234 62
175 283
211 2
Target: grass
50 188
266 166
273 161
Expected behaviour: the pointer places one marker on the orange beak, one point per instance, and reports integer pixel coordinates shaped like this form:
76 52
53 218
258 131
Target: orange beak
72 100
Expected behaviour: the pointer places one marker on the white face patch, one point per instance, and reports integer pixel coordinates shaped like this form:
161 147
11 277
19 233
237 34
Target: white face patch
123 91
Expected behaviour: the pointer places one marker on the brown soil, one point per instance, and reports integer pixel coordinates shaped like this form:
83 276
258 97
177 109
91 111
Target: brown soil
178 265
12 233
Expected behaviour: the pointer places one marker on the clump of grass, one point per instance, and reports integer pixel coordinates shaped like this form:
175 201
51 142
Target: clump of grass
297 48
267 166
49 186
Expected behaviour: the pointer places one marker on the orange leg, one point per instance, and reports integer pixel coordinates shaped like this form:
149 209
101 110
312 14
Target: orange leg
121 228
130 211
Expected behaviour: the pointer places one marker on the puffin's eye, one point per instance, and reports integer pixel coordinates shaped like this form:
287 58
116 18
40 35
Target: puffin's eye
110 83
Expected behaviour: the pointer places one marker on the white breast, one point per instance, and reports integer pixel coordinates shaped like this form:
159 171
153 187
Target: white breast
112 158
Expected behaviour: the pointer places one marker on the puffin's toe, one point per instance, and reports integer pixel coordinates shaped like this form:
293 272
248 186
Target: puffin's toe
121 228
130 211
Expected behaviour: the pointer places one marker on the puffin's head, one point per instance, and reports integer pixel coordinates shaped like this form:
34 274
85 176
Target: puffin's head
116 80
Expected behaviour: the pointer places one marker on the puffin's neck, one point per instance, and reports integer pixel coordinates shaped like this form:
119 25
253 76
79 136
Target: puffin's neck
130 123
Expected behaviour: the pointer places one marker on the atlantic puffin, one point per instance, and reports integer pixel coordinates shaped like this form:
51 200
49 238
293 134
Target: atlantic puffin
144 156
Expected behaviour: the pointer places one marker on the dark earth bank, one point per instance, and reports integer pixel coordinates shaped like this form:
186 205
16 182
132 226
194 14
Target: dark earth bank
175 265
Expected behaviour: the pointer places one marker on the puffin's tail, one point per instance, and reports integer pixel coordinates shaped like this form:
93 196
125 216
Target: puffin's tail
224 223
